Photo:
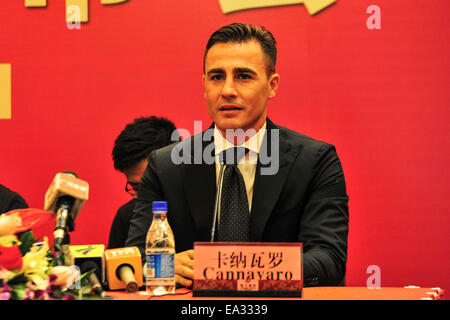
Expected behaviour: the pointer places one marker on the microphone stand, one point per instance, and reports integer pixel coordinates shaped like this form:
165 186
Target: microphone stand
64 224
216 204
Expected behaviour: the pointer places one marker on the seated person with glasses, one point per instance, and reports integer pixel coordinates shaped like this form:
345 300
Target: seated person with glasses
131 150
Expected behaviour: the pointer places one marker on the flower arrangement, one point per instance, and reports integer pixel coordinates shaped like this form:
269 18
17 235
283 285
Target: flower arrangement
29 269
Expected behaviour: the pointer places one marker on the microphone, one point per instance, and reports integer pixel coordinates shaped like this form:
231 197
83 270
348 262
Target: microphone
88 257
124 268
65 197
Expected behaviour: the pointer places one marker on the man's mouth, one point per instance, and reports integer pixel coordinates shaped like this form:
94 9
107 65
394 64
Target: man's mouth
229 108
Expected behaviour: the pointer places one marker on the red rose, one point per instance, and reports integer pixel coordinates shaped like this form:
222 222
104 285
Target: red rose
10 257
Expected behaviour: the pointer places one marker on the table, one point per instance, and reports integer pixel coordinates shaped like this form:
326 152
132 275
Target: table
310 293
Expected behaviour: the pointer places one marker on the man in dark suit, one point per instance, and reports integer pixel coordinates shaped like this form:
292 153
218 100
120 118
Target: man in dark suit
294 187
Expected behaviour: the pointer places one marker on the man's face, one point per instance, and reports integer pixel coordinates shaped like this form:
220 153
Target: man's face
134 175
237 86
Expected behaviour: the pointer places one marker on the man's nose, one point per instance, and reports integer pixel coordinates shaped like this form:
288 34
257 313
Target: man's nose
229 90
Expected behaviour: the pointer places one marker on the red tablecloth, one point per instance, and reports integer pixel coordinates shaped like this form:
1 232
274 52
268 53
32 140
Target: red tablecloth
313 293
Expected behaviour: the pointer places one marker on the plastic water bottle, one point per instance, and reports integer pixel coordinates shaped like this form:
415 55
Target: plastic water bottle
160 252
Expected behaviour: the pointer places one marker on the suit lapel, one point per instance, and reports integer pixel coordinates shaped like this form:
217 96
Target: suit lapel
200 187
267 188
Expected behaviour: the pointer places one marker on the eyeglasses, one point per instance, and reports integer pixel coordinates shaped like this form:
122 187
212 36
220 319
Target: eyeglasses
132 188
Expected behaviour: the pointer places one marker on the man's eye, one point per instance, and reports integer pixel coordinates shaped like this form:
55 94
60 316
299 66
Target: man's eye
216 77
244 76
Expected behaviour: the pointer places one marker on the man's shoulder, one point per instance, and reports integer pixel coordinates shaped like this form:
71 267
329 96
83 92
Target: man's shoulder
4 191
164 152
180 152
10 200
166 159
128 206
296 138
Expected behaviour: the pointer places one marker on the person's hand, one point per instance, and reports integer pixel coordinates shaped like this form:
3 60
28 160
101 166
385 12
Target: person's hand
184 267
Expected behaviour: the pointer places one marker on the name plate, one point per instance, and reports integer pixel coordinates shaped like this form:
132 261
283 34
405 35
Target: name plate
248 269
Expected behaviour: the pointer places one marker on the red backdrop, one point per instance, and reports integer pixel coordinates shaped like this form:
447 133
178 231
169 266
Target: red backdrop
380 96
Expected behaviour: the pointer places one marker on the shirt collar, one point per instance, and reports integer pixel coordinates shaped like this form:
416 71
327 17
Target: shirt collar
253 144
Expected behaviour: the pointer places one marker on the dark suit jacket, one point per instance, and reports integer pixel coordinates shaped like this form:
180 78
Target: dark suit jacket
120 225
305 201
10 200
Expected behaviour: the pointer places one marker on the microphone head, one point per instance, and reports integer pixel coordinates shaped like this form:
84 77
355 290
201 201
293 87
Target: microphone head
70 172
88 257
88 265
66 186
117 258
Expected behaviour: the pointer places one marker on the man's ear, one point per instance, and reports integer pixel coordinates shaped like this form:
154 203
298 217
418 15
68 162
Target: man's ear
204 85
274 81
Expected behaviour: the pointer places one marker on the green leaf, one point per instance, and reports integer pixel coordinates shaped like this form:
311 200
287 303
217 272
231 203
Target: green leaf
84 279
19 291
27 240
84 288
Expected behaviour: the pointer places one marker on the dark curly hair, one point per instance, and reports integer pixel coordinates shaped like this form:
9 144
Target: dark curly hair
140 138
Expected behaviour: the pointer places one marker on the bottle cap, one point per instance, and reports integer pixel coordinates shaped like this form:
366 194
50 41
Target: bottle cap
159 206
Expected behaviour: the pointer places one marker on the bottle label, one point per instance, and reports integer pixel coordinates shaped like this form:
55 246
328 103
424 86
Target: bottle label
160 265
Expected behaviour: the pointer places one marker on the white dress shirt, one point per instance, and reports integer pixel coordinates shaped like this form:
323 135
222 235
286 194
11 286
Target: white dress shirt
246 165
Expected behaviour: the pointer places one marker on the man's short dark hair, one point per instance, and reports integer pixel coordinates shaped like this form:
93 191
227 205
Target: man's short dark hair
240 33
139 139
